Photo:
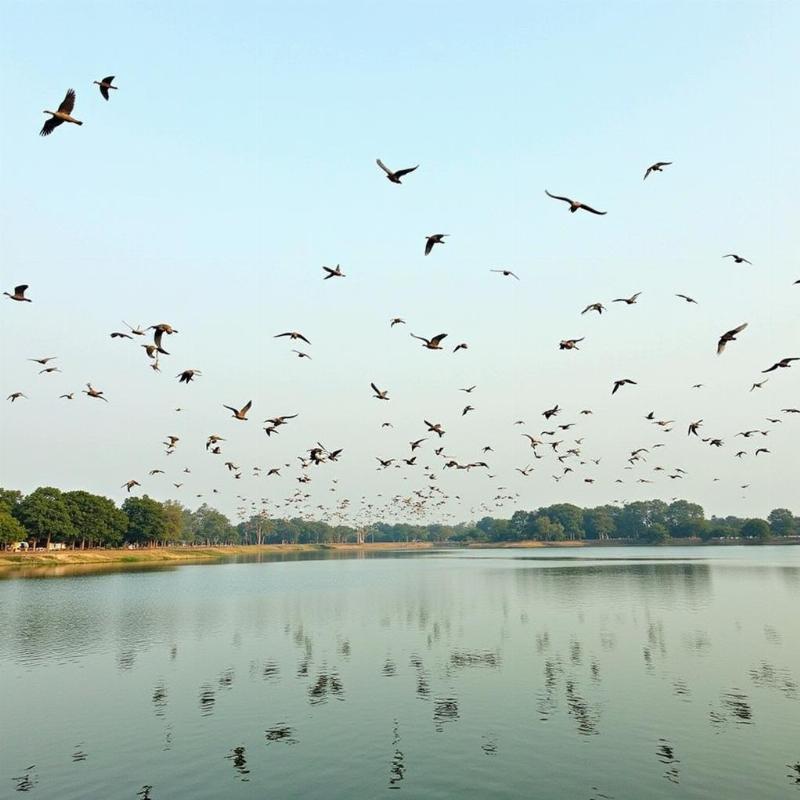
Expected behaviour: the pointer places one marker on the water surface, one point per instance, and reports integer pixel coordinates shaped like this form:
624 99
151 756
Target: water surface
624 673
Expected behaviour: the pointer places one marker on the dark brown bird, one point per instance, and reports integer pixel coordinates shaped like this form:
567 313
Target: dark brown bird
598 307
292 335
574 205
729 336
737 259
784 363
92 392
380 394
130 484
657 167
570 344
693 426
19 294
396 321
62 115
188 375
628 300
506 273
435 343
120 335
436 238
461 346
333 272
43 361
15 396
686 298
394 177
622 382
105 85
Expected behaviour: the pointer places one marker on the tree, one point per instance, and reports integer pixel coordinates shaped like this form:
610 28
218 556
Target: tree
782 522
147 521
548 531
598 523
45 515
9 500
173 511
756 529
684 519
570 518
212 526
95 519
657 533
11 530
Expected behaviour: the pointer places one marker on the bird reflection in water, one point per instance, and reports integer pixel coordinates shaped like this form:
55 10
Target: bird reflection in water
585 716
237 755
79 754
225 680
160 699
270 671
389 668
207 700
144 792
767 676
445 710
681 689
794 773
26 782
397 766
489 745
666 755
281 733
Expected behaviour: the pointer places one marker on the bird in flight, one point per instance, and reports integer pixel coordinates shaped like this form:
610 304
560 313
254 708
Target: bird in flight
292 335
784 363
759 384
598 307
43 361
92 392
188 375
380 394
506 273
240 413
460 346
62 115
628 300
435 238
574 205
620 383
333 272
729 336
15 396
19 294
130 484
396 321
433 343
657 167
686 298
737 259
570 344
394 177
105 85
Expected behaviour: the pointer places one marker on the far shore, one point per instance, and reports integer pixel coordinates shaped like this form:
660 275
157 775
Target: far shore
165 555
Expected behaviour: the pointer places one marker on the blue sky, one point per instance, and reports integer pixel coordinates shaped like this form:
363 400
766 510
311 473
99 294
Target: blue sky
238 156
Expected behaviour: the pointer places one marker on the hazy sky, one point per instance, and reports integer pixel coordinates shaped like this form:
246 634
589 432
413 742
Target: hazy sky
238 157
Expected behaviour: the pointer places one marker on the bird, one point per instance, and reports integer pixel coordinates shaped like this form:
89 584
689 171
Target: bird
105 85
657 167
120 335
380 394
130 484
433 343
19 294
43 361
598 307
686 298
137 331
622 382
160 329
292 335
506 273
693 426
784 363
737 259
570 344
15 396
92 392
435 238
394 177
551 412
68 396
415 444
301 354
213 439
759 384
467 409
239 413
396 321
729 336
460 346
468 389
628 300
333 272
435 428
574 205
188 375
62 115
48 370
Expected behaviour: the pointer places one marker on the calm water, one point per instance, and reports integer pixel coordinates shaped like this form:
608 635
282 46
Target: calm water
504 674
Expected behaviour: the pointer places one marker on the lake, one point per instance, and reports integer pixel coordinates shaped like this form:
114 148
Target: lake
592 674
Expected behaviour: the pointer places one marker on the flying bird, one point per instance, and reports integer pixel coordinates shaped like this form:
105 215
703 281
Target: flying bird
105 85
628 300
686 298
506 273
570 344
436 238
19 294
431 344
396 321
92 392
394 177
598 307
657 167
240 413
622 382
574 205
15 396
333 272
729 336
188 375
62 115
292 335
784 363
737 259
380 394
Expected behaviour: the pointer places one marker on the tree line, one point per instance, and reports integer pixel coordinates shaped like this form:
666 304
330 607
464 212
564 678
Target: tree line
81 519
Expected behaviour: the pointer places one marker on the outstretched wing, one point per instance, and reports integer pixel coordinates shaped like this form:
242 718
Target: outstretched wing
104 90
437 339
429 245
68 103
50 126
21 288
592 210
383 166
557 197
109 79
246 407
401 172
300 336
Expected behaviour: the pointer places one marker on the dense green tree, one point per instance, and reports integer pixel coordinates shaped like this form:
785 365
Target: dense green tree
176 519
9 500
782 522
147 521
45 515
95 519
598 523
11 530
213 527
684 519
756 529
546 530
570 518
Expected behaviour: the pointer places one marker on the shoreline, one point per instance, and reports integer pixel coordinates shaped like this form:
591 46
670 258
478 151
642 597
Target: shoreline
178 555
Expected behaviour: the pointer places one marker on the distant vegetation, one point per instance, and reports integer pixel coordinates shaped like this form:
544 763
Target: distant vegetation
82 519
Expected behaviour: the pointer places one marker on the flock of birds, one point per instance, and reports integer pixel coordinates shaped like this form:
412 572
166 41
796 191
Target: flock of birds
421 502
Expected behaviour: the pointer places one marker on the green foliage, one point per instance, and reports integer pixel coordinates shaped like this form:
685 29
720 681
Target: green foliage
147 520
45 515
9 500
95 519
11 530
783 523
756 529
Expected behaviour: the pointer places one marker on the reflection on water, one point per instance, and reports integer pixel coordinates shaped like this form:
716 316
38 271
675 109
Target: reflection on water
602 655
